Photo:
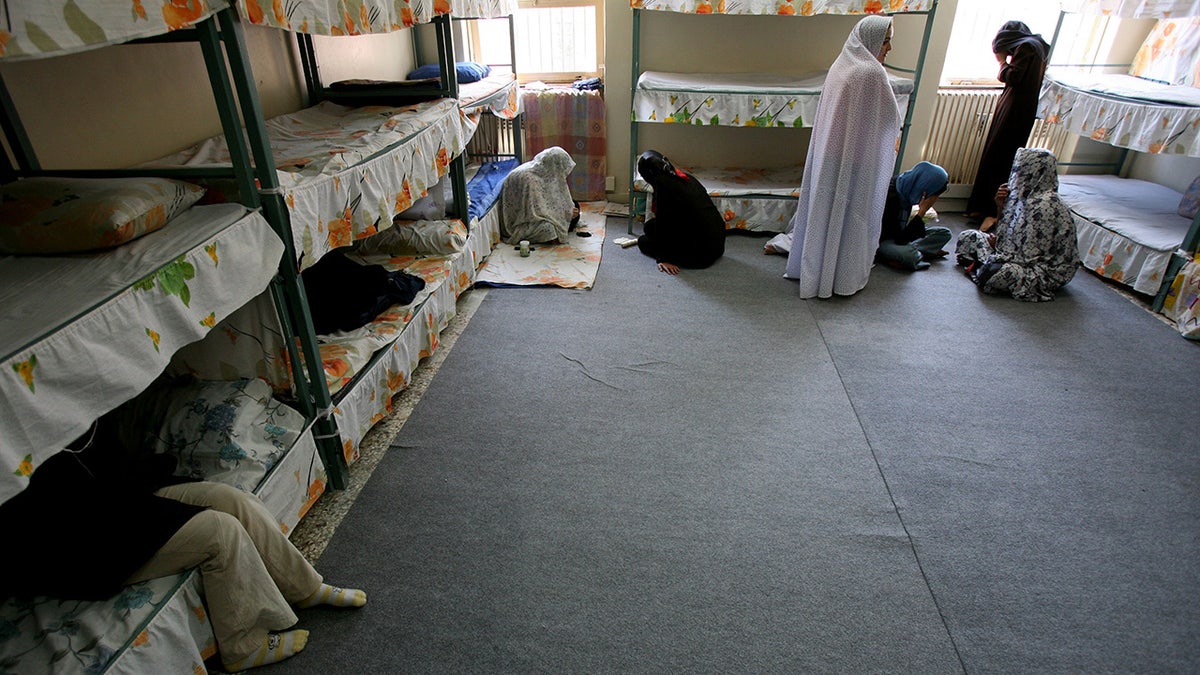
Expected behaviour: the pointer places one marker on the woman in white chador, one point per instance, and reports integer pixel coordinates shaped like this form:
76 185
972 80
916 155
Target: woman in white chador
831 240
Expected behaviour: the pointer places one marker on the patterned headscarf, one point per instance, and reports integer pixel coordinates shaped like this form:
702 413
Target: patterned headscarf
1013 34
923 179
1036 230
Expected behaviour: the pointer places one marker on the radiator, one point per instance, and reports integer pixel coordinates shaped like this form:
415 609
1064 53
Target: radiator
960 124
494 138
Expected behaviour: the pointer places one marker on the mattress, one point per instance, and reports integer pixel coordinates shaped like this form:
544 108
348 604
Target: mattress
754 200
345 172
1128 229
498 93
737 99
1123 110
82 334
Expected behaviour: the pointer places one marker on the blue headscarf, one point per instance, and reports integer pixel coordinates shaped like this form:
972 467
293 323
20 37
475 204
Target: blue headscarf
925 178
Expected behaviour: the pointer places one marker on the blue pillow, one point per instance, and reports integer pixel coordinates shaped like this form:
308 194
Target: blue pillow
466 71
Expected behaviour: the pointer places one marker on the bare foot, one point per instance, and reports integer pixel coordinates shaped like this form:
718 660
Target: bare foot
987 224
668 268
771 250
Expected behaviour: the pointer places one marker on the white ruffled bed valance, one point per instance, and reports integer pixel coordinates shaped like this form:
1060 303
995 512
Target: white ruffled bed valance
785 7
31 29
1135 9
360 17
1125 111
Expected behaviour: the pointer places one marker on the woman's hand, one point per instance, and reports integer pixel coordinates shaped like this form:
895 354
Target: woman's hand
668 268
1001 198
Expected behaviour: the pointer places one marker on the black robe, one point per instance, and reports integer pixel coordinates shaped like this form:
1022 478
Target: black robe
686 229
898 226
86 522
1013 119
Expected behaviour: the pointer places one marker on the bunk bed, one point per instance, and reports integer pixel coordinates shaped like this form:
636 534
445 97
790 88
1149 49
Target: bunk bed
1132 232
385 159
91 319
759 200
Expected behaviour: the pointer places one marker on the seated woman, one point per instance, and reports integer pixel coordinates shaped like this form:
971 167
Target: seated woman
535 201
686 229
904 242
94 520
1032 251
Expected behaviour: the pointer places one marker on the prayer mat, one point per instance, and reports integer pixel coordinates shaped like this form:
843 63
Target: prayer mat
570 265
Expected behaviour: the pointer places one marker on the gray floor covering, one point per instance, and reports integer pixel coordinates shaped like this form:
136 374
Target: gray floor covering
705 473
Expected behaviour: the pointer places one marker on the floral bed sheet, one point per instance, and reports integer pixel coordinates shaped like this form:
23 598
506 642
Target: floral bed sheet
345 172
1125 111
1182 304
737 99
359 17
785 7
32 29
82 334
1128 229
1145 9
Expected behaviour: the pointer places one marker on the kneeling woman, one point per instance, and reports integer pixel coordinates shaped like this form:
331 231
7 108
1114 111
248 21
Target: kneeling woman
686 229
1033 251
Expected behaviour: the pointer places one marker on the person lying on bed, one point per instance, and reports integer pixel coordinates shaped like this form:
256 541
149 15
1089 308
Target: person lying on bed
1032 250
95 520
685 230
535 200
906 242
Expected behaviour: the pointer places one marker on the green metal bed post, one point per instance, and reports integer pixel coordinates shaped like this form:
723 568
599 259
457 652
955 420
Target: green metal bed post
518 130
458 165
313 390
912 101
633 124
14 132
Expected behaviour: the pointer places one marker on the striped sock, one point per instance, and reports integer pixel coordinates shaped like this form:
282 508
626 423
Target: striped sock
332 595
277 647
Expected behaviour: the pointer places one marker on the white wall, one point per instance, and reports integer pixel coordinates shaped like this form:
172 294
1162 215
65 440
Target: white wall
386 56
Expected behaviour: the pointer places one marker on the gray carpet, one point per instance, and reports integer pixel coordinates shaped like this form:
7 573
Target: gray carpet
705 473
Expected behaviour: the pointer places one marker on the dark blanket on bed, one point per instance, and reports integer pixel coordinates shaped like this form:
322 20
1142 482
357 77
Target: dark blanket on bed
344 295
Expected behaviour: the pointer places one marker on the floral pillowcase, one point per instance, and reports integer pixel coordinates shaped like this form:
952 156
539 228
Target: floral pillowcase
44 216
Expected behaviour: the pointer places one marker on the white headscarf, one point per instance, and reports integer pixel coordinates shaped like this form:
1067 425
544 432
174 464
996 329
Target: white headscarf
535 201
850 160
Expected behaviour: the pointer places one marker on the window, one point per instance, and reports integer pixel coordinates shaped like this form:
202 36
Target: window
556 40
969 59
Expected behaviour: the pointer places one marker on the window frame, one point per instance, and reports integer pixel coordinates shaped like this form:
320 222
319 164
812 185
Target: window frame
555 77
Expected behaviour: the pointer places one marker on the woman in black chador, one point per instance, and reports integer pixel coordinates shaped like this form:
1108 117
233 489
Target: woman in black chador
685 230
1022 56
